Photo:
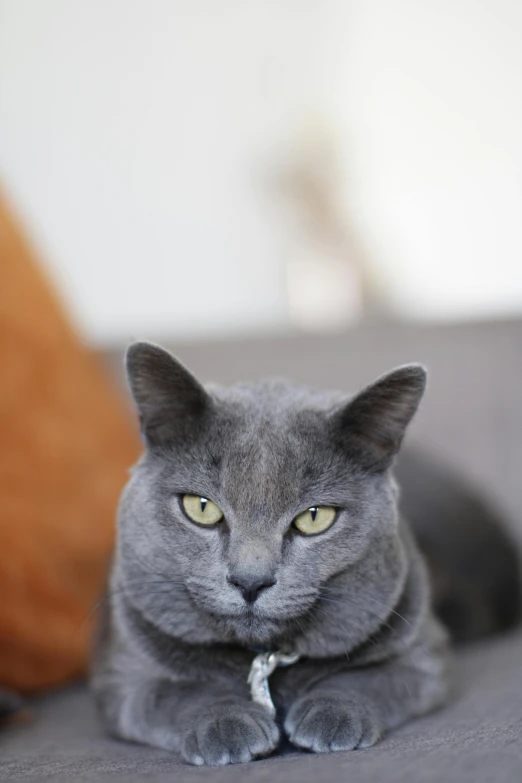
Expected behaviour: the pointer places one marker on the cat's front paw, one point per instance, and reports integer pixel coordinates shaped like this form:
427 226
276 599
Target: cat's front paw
325 723
230 733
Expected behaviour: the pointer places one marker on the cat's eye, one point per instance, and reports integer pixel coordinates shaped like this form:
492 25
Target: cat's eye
201 510
315 519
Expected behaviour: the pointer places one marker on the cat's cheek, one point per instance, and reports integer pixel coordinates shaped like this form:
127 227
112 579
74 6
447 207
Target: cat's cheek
326 555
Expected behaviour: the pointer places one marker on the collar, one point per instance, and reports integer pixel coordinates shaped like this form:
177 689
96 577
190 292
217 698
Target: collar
263 665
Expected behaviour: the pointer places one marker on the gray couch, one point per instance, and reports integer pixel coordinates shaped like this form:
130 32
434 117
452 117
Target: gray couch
471 418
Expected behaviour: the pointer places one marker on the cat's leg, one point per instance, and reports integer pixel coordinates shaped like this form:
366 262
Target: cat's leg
206 724
353 709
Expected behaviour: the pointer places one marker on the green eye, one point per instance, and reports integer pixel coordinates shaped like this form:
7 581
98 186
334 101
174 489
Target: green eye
201 510
315 519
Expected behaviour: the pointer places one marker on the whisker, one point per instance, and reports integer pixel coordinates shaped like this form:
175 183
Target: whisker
389 609
385 622
129 586
363 597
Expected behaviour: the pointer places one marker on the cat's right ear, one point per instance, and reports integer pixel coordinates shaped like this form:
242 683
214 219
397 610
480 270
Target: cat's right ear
165 392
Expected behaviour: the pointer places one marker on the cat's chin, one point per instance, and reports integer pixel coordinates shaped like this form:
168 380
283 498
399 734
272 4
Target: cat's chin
259 634
252 629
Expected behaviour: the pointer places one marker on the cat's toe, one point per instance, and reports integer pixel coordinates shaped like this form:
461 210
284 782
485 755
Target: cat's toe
329 723
230 735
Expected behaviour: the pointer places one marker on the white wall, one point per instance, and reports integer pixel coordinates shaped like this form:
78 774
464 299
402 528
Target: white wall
136 138
133 136
429 96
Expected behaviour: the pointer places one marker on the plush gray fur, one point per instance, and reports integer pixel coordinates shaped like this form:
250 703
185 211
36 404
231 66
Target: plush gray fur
178 638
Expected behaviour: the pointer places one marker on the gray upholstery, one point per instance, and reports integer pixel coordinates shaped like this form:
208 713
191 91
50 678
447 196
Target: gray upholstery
477 739
473 417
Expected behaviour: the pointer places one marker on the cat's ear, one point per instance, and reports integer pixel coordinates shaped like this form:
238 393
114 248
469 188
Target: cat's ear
371 425
165 392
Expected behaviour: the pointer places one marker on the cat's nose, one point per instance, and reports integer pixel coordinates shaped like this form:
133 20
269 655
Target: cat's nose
250 588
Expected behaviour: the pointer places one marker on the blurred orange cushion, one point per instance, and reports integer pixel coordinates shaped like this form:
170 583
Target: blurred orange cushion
66 440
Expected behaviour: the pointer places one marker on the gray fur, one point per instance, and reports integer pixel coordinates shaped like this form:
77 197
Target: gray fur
177 639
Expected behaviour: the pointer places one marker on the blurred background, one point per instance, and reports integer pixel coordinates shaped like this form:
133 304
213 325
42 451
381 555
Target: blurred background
206 168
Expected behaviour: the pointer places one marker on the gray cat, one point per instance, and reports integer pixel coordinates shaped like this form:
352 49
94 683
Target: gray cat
264 519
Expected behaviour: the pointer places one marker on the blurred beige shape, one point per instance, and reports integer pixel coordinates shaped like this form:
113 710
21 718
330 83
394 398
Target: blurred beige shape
329 285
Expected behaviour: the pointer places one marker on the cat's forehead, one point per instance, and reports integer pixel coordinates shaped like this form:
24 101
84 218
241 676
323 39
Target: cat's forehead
274 398
272 442
270 418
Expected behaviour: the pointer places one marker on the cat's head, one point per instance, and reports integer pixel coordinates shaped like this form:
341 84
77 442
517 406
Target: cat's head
262 512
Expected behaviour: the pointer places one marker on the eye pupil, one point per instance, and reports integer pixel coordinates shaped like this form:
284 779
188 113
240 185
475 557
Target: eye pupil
315 520
201 510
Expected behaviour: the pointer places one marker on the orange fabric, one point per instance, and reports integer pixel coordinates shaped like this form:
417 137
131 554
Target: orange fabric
66 441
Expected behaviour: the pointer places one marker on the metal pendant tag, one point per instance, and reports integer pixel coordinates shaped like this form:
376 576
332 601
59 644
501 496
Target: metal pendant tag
262 667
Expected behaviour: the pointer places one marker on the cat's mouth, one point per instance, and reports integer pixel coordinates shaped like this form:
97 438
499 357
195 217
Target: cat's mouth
254 614
252 626
254 623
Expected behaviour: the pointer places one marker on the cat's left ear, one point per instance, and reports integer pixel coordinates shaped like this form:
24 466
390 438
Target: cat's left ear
371 426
